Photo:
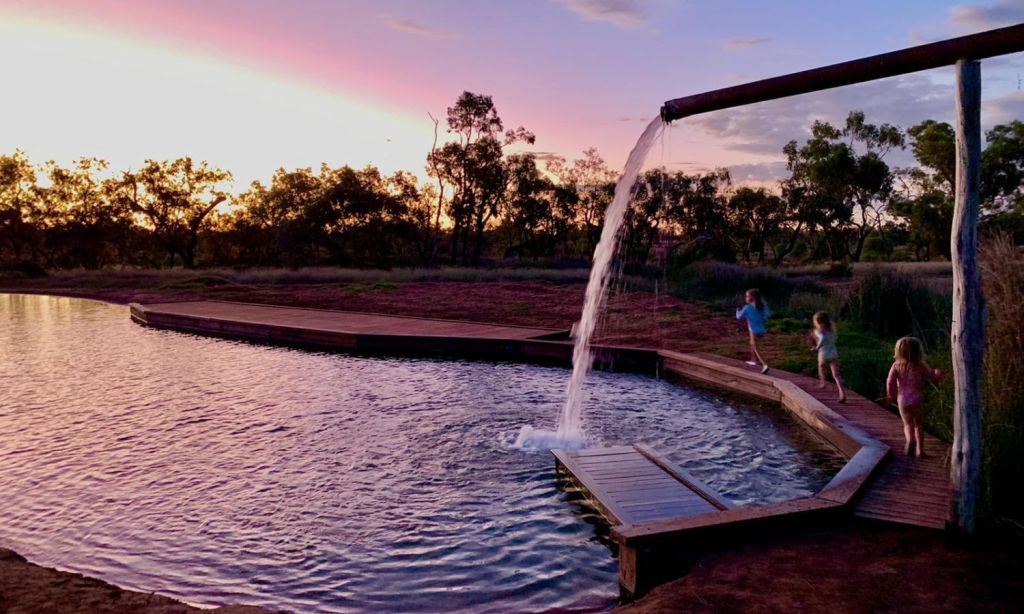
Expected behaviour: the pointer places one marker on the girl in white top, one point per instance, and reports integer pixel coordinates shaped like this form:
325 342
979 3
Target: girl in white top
828 355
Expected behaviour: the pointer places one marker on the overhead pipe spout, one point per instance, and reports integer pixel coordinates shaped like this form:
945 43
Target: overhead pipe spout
913 59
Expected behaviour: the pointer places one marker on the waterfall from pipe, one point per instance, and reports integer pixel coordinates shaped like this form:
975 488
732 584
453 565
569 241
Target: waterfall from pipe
569 433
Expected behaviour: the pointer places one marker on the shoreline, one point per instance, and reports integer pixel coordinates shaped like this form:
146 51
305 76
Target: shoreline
29 587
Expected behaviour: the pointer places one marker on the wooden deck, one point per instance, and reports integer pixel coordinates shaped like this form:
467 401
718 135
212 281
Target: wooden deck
905 490
345 322
635 484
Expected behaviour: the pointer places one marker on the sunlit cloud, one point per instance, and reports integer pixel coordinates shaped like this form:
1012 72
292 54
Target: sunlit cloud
414 27
733 44
967 18
629 14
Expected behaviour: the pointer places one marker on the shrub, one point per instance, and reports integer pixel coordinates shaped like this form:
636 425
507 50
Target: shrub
839 270
889 304
711 280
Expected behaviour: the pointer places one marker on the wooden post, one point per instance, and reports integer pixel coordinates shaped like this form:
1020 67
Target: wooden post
968 333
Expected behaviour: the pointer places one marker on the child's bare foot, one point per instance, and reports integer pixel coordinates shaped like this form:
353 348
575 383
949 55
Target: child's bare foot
921 454
842 398
910 449
821 386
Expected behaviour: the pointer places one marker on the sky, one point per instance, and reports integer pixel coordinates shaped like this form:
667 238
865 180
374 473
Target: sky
253 85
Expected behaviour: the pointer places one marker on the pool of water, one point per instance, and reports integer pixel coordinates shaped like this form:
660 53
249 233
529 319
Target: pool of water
217 471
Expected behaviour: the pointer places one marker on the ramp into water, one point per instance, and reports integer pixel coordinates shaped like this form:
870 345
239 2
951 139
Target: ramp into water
635 484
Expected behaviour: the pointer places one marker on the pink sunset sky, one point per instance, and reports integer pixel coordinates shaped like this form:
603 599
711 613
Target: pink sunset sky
252 85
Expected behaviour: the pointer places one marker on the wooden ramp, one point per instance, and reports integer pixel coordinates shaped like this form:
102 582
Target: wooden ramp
634 484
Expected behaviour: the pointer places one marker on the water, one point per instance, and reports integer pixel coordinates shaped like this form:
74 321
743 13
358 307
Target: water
569 433
217 471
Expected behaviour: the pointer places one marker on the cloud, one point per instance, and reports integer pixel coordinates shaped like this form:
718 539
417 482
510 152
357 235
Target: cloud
734 44
414 27
965 18
628 14
758 172
1002 110
547 156
764 128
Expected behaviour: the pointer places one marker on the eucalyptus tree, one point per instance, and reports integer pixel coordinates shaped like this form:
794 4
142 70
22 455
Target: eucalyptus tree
174 200
473 168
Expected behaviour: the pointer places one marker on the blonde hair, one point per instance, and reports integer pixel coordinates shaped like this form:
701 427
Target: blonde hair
821 320
909 352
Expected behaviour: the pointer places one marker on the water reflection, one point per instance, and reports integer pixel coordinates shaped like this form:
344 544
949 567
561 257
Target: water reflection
216 471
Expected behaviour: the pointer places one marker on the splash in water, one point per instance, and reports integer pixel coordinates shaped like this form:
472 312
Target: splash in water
570 424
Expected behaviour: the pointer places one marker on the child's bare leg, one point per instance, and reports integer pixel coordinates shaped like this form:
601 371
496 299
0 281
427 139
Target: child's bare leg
908 429
754 351
821 376
919 431
838 379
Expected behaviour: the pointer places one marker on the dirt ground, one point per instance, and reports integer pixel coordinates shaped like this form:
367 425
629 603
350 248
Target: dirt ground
853 566
857 566
26 588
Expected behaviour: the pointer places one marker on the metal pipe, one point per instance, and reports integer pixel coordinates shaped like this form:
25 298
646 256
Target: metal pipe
913 59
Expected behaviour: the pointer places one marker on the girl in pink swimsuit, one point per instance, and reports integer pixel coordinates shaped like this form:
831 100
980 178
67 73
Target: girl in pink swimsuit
905 387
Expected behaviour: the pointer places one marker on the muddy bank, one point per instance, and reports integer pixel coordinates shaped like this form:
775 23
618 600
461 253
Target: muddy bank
27 588
847 566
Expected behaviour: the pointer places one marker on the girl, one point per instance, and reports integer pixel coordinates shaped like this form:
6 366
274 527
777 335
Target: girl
905 386
828 355
755 311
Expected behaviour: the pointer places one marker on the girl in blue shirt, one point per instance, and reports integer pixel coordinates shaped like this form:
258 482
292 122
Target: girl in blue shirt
755 312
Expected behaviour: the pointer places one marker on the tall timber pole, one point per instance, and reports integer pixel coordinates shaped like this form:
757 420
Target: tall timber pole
968 331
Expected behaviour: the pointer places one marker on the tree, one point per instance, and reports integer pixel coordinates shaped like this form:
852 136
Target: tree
83 225
756 216
473 168
925 203
530 209
175 199
18 205
594 186
849 189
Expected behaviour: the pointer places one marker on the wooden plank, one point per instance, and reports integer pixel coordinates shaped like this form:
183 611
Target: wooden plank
702 489
650 533
848 482
598 496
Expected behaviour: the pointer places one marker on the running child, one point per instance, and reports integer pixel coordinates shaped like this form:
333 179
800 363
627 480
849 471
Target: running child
828 354
755 311
905 387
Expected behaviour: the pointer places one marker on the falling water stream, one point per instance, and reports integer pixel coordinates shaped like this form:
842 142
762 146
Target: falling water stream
569 433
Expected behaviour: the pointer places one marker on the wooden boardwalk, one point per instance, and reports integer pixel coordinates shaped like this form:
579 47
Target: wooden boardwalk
634 484
905 490
346 322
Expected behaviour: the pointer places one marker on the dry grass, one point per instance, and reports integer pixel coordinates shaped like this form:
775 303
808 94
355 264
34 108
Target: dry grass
282 276
1003 279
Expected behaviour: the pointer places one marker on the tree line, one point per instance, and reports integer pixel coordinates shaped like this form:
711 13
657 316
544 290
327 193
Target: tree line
484 203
